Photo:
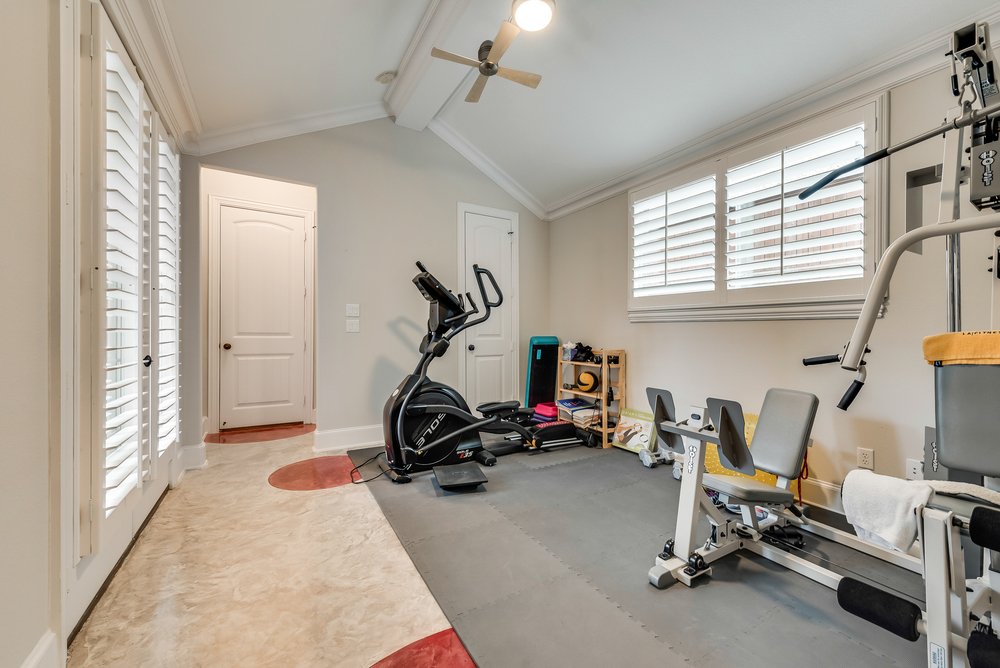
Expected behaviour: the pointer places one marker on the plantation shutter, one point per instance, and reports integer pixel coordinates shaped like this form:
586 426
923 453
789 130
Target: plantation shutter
824 235
773 237
169 274
673 240
123 268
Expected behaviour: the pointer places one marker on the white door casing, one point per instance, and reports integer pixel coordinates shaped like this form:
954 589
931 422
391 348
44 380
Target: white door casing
262 317
273 213
488 237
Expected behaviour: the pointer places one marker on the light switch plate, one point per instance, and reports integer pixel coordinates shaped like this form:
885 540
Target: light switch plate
353 325
353 310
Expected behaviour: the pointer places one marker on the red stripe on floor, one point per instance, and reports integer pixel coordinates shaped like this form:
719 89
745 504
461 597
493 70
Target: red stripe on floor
441 650
318 473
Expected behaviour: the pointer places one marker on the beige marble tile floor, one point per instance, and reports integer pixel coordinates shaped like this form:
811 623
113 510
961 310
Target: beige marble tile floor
233 572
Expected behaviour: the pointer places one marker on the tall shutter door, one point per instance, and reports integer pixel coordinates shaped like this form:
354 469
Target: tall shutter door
123 259
169 275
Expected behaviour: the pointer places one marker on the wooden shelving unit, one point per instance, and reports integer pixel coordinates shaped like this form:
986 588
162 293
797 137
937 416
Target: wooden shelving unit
600 397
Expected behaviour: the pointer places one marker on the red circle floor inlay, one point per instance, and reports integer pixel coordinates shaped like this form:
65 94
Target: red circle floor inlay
441 650
318 473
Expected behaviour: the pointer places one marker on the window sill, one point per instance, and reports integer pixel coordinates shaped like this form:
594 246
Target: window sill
829 309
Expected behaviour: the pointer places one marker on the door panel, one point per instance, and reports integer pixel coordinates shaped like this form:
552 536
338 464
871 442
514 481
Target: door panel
262 318
490 366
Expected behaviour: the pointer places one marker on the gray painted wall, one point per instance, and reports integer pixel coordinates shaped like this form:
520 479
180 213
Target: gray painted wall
388 196
24 355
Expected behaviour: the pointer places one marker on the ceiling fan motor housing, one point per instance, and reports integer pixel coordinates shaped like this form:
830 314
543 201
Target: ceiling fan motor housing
484 50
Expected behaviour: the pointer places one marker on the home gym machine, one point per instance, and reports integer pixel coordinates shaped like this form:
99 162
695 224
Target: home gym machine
428 425
960 613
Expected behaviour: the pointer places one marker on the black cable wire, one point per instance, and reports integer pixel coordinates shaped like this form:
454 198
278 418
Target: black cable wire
831 565
364 463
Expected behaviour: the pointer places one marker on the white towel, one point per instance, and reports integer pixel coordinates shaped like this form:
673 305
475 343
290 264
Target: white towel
881 507
968 489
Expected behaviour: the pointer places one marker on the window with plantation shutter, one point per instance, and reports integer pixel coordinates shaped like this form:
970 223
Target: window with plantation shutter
673 239
754 250
773 237
169 268
123 259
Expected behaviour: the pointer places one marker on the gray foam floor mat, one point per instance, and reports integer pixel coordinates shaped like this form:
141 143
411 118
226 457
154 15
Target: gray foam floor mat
545 565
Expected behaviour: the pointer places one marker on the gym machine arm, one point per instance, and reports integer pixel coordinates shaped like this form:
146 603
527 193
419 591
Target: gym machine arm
971 47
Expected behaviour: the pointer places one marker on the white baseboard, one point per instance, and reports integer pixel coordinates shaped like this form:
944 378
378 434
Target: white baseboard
342 440
45 654
194 456
823 494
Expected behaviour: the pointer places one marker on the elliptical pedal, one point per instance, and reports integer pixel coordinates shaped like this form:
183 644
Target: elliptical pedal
458 476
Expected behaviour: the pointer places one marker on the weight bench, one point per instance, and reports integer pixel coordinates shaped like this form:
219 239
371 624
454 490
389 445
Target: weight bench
780 441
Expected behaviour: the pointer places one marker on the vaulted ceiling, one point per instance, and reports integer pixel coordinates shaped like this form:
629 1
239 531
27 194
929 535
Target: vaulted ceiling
623 83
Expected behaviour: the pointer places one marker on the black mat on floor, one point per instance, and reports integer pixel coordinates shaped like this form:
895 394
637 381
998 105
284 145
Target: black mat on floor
545 565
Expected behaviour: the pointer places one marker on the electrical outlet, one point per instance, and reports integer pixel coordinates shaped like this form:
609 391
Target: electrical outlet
914 469
353 325
866 459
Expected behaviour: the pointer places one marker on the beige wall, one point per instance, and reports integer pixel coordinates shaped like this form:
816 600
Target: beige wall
741 360
388 196
24 267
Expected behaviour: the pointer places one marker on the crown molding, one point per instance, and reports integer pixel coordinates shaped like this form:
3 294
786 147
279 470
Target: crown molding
151 46
413 110
223 140
486 166
167 39
918 58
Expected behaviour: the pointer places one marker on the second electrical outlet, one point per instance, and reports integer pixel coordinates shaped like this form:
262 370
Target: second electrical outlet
866 459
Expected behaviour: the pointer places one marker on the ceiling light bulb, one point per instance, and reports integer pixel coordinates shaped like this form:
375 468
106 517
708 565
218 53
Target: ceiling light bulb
532 15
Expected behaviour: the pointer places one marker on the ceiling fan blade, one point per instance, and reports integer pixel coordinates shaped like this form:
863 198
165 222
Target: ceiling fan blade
517 76
454 57
508 31
477 89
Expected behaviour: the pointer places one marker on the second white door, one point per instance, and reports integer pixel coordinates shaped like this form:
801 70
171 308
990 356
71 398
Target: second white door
490 347
262 318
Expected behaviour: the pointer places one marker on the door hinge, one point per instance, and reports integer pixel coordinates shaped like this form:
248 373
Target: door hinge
303 400
90 510
303 346
92 46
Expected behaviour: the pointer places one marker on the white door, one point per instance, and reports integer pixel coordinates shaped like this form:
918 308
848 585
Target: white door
490 347
262 318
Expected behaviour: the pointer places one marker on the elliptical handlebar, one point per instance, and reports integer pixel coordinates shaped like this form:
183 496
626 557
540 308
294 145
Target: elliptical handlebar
479 271
487 304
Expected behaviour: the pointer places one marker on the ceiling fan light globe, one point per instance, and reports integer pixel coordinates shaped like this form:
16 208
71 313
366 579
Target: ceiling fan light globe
532 15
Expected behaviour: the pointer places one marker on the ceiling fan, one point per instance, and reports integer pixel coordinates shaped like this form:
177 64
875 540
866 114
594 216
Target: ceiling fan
490 53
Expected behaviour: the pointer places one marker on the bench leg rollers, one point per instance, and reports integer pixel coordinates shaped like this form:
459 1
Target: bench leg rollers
984 650
984 528
881 608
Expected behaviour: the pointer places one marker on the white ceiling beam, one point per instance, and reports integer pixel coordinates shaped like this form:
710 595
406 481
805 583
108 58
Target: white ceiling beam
420 90
145 31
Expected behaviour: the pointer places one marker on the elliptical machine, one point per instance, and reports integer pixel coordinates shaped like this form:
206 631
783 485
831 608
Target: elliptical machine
428 425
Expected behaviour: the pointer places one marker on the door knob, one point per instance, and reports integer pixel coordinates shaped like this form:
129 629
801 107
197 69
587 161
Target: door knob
472 347
147 360
227 346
